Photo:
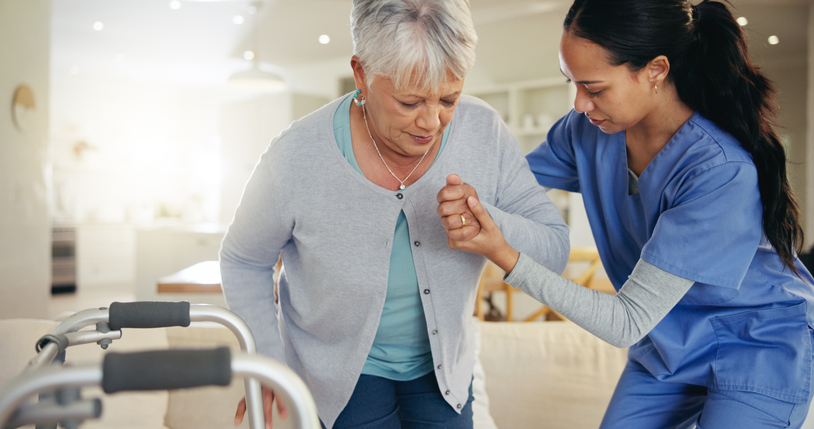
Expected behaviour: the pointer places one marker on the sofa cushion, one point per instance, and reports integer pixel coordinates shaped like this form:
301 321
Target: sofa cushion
207 407
481 416
547 374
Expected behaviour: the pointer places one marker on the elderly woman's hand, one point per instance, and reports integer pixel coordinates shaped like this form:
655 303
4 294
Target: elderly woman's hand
456 217
269 397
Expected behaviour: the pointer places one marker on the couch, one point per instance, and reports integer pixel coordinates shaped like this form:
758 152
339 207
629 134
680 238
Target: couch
529 375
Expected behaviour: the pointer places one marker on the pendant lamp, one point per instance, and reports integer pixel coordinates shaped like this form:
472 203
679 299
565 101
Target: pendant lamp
255 78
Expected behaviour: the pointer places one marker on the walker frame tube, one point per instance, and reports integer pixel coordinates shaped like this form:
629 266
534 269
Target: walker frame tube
197 313
279 377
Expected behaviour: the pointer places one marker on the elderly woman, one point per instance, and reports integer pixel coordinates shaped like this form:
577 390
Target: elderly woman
373 310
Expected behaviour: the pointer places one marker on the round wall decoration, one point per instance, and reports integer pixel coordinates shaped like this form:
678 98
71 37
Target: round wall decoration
22 105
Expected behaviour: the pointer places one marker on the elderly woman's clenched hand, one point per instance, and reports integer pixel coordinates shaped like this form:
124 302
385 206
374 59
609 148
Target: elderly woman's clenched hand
456 217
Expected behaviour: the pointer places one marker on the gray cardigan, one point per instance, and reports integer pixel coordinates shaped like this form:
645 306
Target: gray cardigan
335 230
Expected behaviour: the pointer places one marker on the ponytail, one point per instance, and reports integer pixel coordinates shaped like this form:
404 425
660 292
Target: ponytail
715 77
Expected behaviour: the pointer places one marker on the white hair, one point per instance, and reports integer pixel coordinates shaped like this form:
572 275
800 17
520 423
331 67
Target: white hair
400 38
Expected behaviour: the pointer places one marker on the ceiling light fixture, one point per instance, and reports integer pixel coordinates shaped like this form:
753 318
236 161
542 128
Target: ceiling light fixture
98 26
773 40
324 39
238 19
255 78
742 21
175 5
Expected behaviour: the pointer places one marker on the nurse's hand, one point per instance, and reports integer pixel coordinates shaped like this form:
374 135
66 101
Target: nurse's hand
489 241
268 402
457 219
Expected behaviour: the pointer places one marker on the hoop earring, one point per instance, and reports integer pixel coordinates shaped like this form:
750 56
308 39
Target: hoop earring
359 102
656 87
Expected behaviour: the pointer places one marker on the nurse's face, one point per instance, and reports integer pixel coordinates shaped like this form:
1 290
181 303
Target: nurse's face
613 97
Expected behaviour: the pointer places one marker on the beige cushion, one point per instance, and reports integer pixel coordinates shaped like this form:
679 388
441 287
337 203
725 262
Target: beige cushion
547 374
481 417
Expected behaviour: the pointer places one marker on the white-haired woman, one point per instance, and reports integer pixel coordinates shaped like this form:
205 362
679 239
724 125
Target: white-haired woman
373 309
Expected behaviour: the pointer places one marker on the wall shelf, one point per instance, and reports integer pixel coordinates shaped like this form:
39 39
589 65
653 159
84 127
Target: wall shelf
529 108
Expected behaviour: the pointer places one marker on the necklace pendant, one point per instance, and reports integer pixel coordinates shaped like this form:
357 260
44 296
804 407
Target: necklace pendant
402 187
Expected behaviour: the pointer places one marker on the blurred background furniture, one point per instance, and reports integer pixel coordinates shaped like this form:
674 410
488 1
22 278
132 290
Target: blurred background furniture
203 277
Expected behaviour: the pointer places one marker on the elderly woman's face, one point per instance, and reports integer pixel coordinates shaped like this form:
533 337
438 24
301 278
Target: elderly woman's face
410 120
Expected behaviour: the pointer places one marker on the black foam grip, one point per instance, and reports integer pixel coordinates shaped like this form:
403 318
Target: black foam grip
166 369
148 314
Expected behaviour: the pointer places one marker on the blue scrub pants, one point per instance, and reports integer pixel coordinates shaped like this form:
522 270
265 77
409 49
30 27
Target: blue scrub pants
388 404
642 401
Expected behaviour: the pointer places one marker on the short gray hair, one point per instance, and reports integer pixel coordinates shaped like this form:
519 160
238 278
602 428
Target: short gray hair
397 38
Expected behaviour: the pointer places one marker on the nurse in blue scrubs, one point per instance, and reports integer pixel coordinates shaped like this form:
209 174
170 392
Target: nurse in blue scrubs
671 145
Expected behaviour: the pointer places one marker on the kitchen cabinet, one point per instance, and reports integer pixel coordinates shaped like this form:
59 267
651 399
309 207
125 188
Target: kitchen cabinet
105 255
162 251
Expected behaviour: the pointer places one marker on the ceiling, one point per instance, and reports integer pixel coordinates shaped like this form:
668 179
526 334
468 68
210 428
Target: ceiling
199 44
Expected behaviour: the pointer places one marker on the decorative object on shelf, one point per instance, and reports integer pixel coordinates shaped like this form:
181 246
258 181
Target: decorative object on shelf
80 147
528 121
22 104
544 121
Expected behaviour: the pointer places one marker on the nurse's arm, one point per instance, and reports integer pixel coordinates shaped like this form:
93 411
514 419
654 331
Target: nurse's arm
622 319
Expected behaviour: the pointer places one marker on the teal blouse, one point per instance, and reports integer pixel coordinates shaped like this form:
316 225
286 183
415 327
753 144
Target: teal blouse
401 348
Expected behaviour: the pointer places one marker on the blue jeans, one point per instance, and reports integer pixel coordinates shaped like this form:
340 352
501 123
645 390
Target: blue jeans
388 404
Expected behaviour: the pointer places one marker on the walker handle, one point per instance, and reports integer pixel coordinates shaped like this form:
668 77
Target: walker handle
148 314
166 369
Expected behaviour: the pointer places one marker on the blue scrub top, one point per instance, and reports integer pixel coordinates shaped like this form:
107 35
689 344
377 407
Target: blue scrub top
744 324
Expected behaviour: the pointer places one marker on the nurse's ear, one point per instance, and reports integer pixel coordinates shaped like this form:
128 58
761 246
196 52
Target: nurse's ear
657 70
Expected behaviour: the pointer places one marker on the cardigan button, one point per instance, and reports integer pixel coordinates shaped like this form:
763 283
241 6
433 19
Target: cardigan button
446 393
426 291
459 406
417 243
399 195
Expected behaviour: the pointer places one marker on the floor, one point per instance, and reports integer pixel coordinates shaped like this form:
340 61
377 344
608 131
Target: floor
63 305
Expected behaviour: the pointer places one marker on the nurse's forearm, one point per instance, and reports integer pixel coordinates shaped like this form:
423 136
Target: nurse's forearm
505 257
621 319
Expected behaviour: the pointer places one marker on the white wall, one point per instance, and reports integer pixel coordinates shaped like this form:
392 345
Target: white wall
25 254
808 210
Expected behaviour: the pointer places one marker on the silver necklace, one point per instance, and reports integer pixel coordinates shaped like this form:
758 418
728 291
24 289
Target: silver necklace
364 115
